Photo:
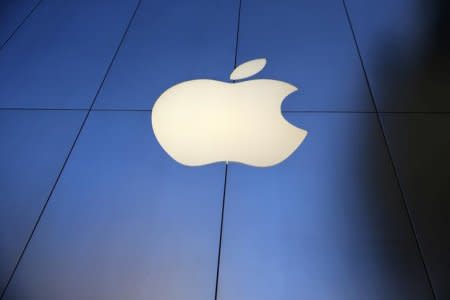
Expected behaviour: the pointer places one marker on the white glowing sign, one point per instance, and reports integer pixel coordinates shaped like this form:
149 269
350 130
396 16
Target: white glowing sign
203 121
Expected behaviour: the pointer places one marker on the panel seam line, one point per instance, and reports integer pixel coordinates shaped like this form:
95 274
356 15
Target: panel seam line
20 25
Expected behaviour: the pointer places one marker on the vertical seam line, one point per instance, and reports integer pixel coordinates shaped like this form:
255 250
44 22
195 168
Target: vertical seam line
219 254
216 290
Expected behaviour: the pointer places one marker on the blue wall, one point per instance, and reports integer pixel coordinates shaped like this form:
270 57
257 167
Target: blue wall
91 207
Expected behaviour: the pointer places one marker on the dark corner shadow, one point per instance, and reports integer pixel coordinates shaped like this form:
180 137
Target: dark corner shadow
409 74
412 68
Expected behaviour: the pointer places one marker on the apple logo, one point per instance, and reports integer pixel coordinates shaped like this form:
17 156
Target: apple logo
202 121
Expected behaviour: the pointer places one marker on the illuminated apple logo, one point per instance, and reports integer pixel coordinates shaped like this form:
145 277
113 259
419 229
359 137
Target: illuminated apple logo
203 121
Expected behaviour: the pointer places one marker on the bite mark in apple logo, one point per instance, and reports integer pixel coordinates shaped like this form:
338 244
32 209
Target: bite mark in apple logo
202 121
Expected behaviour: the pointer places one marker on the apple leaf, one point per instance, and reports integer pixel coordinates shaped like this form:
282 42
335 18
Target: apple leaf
248 69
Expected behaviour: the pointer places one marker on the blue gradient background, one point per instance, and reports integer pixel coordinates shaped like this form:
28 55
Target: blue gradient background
359 211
